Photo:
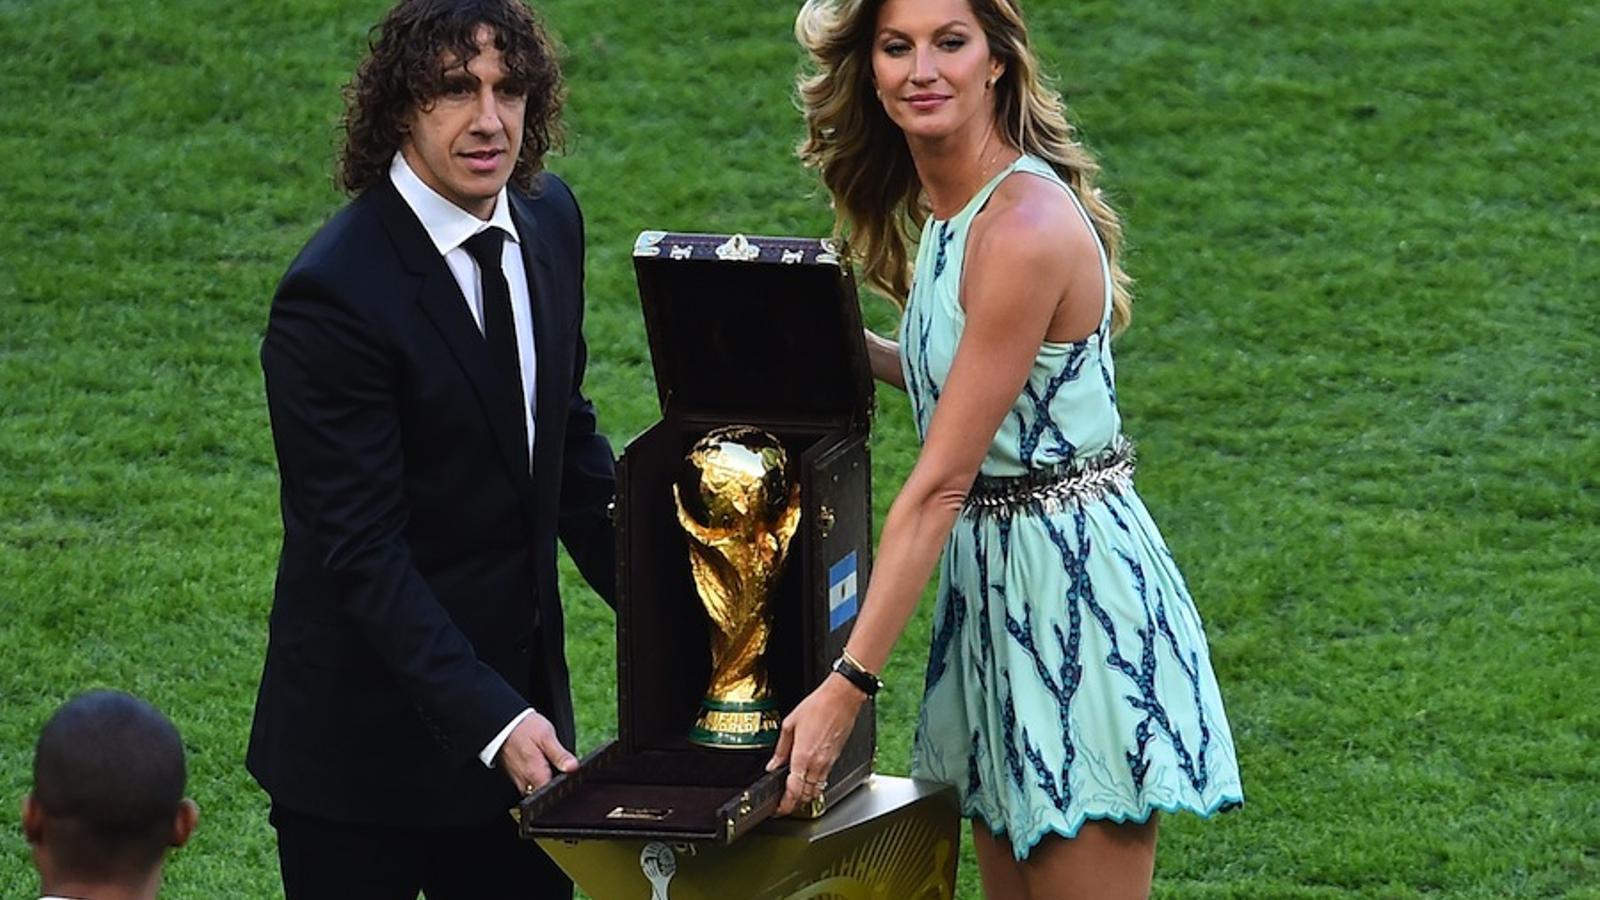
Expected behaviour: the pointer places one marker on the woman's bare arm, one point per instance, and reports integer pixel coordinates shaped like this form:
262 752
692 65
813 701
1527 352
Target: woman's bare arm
884 355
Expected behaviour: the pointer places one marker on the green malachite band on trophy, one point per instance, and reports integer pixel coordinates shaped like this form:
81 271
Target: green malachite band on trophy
736 723
706 738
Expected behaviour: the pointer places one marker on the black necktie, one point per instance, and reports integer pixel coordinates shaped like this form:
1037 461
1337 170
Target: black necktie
499 329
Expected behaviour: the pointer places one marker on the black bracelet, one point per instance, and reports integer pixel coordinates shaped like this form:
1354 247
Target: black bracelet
865 681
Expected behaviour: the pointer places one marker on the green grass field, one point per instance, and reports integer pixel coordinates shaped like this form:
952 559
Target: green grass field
1364 374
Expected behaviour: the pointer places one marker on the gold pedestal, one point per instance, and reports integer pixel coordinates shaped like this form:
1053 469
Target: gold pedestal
891 839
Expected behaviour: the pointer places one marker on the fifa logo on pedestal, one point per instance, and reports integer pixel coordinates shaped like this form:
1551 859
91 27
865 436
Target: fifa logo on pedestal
659 864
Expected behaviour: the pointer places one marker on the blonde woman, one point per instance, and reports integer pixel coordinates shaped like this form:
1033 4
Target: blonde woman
1069 696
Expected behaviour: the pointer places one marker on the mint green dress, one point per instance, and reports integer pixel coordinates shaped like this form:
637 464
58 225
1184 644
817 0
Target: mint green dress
1068 675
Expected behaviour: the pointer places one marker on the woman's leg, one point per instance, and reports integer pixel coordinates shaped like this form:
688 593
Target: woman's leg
1106 860
1000 871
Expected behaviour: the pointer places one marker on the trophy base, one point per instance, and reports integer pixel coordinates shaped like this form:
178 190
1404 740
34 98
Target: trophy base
736 724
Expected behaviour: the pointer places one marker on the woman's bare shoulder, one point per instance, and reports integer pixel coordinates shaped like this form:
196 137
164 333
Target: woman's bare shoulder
1034 215
1032 251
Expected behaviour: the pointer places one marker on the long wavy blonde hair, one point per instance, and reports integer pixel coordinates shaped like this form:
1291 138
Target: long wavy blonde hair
862 156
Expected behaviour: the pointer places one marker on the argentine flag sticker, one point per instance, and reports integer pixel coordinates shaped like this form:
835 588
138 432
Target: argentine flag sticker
842 591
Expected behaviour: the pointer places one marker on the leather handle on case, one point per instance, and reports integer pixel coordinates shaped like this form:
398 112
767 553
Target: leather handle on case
563 785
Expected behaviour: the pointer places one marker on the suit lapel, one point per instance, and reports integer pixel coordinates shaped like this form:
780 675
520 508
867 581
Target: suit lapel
548 405
441 300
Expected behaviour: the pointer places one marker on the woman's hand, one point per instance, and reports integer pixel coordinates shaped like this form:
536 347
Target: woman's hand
812 736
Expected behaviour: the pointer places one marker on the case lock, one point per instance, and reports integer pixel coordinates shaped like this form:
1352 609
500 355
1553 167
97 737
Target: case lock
825 520
744 804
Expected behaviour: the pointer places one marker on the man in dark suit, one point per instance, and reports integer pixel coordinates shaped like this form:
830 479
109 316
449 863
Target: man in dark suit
423 362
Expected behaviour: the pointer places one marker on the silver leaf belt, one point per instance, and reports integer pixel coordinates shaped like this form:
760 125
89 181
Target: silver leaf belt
1051 488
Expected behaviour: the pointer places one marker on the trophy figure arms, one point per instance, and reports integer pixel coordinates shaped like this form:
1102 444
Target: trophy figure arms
715 575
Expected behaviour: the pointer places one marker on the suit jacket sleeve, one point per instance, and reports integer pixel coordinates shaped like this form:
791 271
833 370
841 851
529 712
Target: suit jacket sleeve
332 394
588 478
588 485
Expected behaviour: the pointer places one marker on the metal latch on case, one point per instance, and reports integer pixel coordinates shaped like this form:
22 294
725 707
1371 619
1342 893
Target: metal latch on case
825 520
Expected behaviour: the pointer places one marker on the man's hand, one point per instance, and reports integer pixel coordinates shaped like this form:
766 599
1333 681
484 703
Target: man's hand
532 754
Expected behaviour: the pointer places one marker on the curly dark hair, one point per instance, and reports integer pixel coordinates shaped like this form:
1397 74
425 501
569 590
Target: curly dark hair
402 72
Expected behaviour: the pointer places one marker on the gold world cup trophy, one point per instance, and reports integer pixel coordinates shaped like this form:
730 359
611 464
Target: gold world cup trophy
739 508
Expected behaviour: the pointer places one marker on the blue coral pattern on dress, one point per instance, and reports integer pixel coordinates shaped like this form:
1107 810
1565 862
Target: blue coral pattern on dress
1143 675
909 329
944 235
980 666
1061 685
1103 335
1111 509
1042 422
974 777
954 607
920 383
1045 779
1008 725
929 386
1191 671
1068 674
